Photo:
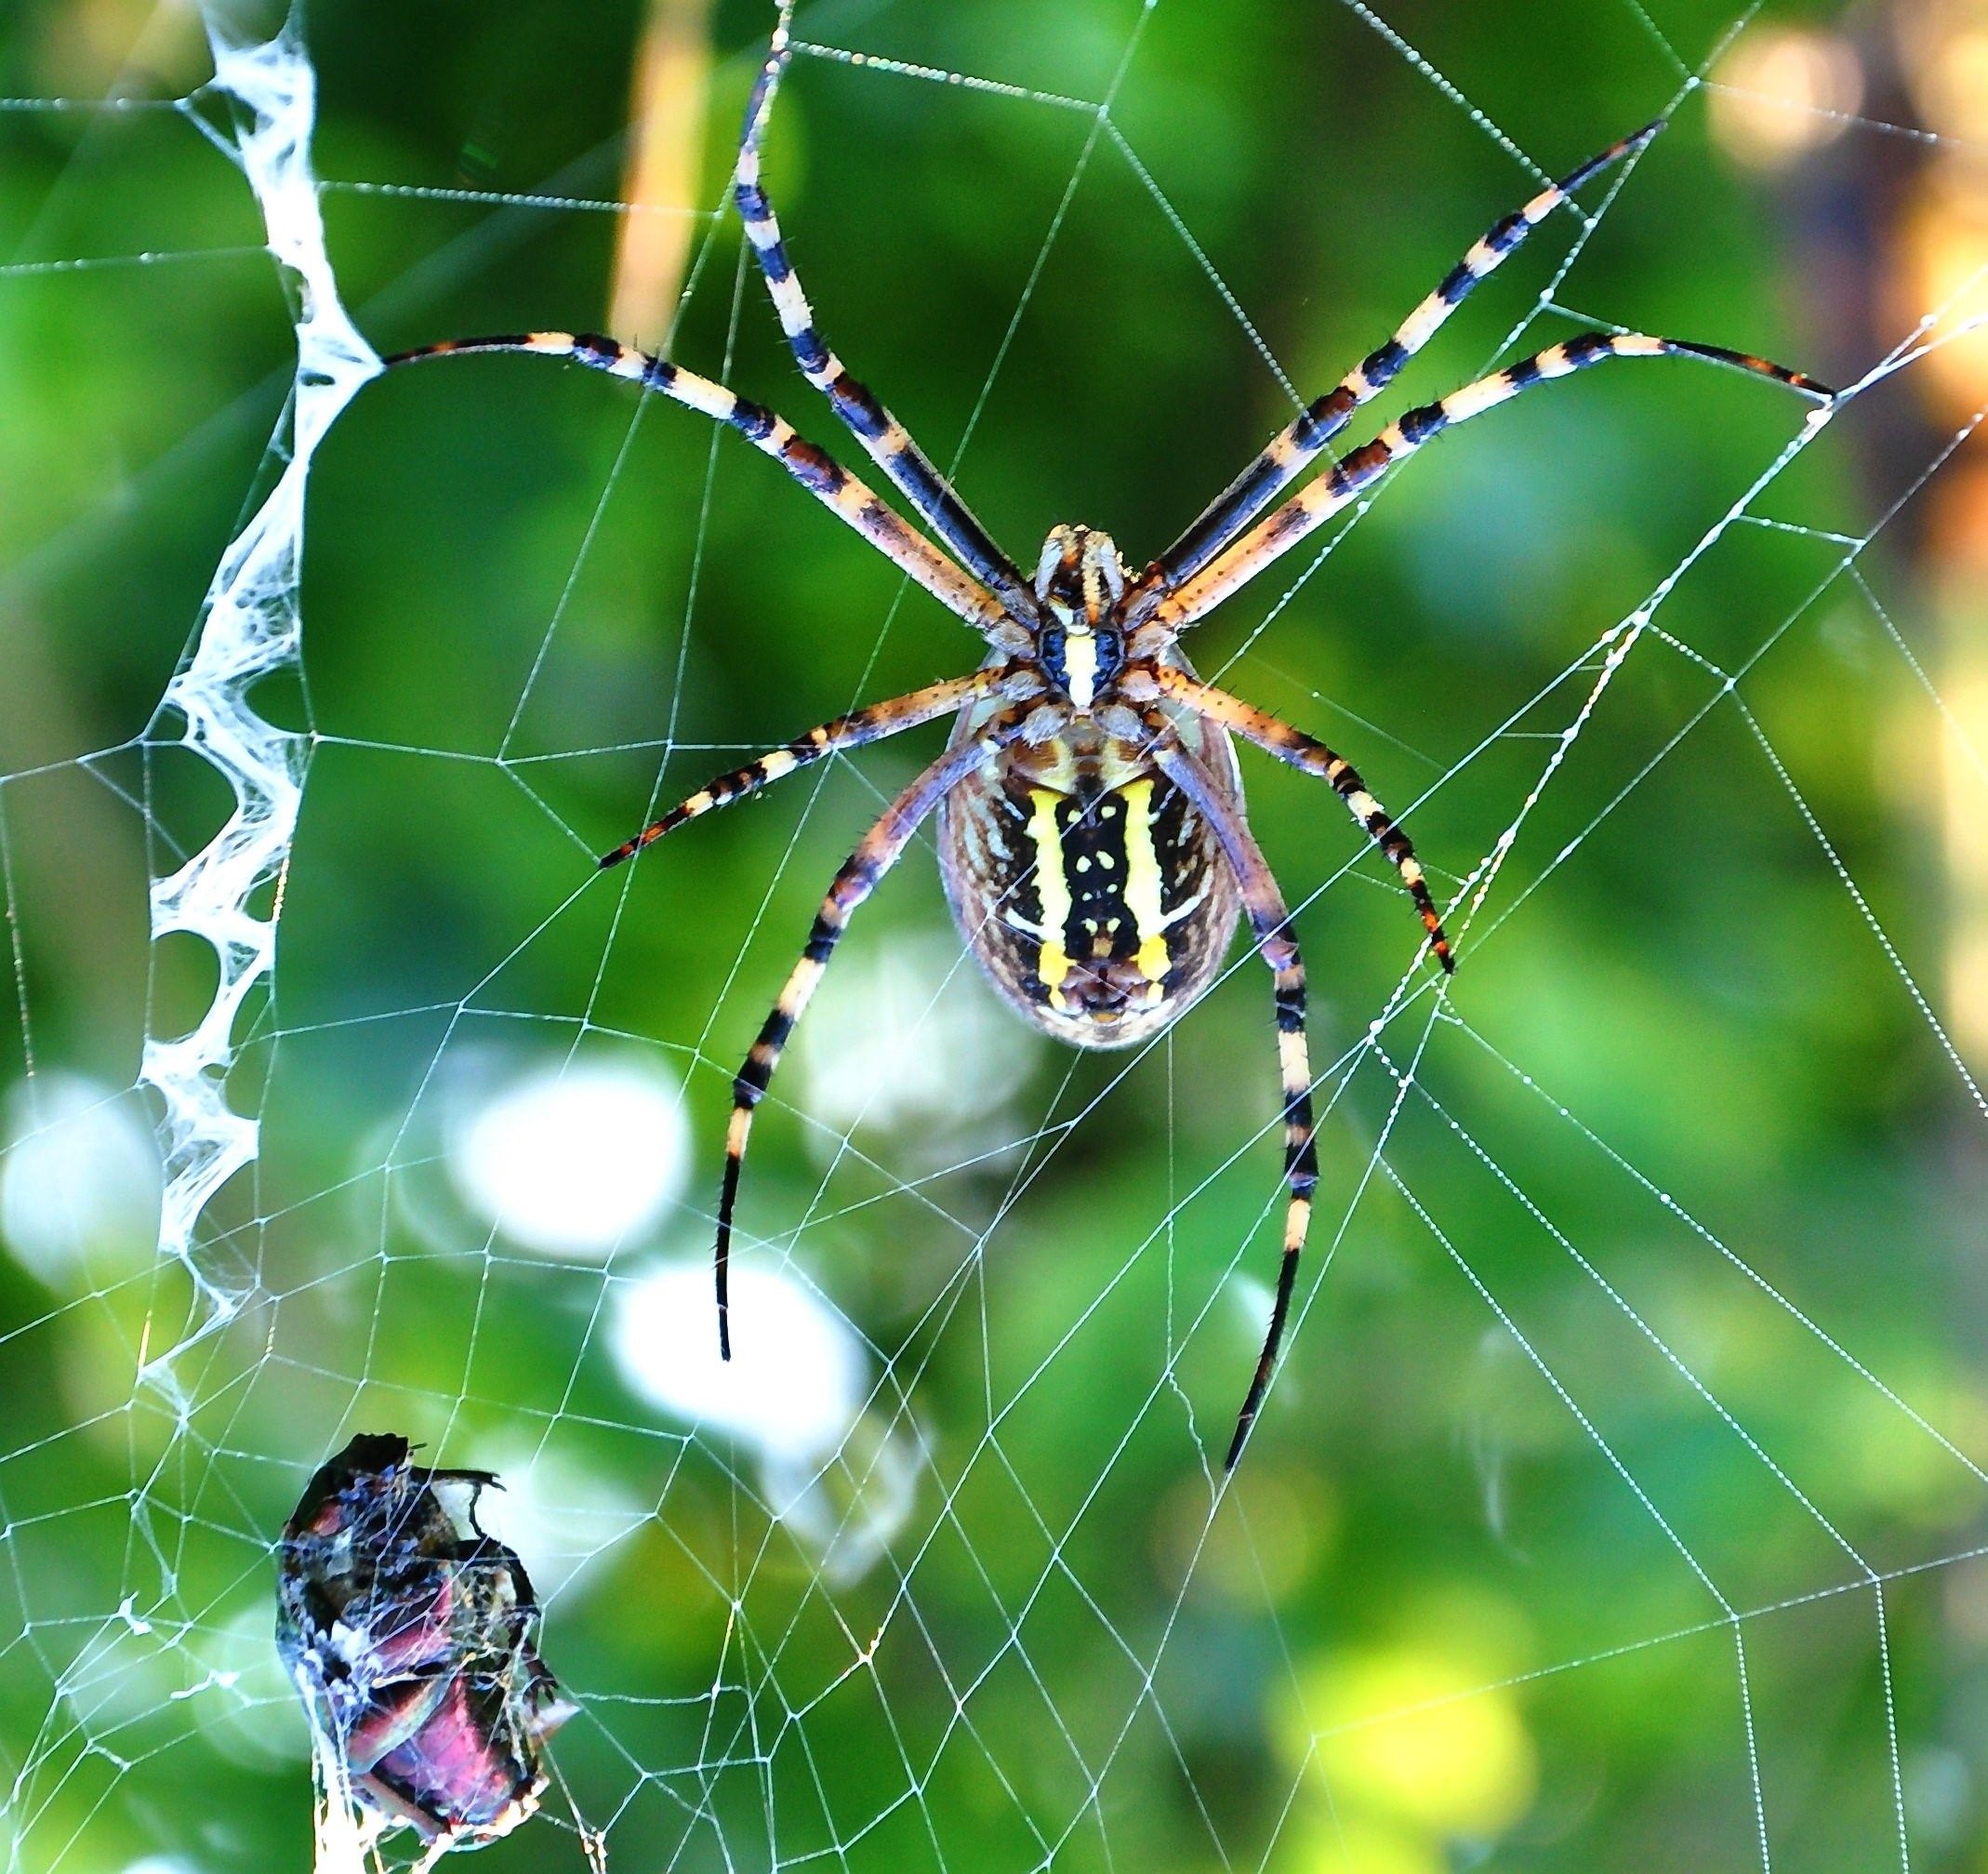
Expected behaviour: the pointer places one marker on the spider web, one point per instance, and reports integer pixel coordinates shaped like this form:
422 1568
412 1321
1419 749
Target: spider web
1619 1501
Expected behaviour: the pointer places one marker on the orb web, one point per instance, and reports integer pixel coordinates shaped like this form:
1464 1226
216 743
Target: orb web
1603 1504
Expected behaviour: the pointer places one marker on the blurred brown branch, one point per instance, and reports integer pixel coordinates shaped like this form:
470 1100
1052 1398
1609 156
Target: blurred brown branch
666 143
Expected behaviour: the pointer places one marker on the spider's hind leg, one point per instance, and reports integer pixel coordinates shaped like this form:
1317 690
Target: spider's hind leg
1270 920
881 847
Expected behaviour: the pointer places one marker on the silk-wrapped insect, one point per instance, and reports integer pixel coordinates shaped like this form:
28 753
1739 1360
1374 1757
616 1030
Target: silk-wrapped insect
410 1634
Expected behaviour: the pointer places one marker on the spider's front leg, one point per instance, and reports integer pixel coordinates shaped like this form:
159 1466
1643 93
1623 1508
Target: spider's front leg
1359 469
883 438
773 436
1299 443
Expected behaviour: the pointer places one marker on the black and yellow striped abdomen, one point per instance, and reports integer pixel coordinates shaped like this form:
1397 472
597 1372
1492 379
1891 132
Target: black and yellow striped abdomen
1100 911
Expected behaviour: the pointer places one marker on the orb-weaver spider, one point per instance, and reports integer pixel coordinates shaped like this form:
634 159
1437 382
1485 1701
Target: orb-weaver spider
1095 847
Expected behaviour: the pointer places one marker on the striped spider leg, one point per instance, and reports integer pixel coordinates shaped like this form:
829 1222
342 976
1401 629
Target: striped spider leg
881 847
1295 447
1277 943
871 724
1013 679
1277 738
1177 606
884 439
772 434
1210 563
1297 444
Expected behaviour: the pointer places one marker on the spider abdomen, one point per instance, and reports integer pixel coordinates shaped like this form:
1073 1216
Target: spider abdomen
1090 890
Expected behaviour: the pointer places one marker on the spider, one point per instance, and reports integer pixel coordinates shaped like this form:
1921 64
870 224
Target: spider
1093 844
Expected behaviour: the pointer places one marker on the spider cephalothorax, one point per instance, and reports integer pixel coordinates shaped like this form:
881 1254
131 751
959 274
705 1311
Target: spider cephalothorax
1079 583
1092 838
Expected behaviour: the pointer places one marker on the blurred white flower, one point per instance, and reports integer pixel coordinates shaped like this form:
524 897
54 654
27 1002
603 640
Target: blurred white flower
892 1042
247 1707
797 1378
847 1514
841 1477
572 1159
79 1181
561 1515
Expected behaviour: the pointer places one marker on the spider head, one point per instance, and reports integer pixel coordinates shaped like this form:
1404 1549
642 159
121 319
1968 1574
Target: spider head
1080 581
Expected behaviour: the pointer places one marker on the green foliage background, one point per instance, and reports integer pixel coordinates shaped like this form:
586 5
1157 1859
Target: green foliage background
1423 1513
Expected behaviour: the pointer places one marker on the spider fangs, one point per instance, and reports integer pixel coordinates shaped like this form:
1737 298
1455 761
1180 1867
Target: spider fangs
1093 837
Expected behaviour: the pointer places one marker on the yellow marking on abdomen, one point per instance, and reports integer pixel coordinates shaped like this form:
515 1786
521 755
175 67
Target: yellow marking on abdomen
1053 963
1145 890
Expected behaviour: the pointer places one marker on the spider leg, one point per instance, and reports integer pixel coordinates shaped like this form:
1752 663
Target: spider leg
1277 738
816 471
1270 920
887 441
868 725
1343 484
880 849
1300 441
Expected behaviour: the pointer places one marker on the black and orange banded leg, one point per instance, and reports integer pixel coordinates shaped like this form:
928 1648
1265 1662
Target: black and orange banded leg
1288 453
880 849
814 467
1342 484
884 439
1270 920
1312 757
870 724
